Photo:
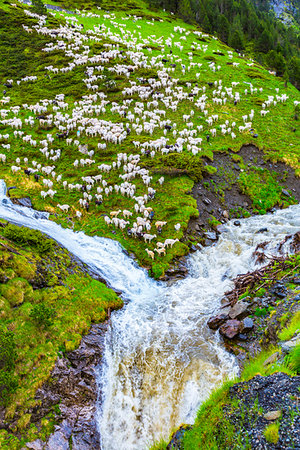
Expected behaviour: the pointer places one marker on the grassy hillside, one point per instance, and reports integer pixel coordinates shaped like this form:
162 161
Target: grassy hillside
47 302
145 77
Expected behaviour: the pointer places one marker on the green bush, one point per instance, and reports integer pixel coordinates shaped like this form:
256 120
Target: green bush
42 315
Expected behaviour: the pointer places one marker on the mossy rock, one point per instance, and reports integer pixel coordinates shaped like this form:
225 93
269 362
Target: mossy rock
16 291
4 308
23 268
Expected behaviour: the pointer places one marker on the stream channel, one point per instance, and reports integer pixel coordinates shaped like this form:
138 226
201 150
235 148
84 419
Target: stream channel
161 361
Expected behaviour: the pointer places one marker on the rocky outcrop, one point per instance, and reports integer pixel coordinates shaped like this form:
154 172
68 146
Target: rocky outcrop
73 387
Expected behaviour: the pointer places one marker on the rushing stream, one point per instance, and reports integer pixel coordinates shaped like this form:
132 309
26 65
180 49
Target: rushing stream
161 360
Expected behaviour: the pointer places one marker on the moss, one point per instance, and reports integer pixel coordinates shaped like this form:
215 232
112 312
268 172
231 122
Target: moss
16 291
271 433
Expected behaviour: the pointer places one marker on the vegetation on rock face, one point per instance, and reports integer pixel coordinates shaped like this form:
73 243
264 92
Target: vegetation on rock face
47 302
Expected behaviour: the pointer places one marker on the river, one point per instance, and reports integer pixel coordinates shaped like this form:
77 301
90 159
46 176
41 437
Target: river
161 361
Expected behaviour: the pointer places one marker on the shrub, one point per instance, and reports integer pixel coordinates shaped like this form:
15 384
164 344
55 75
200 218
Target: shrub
293 359
42 315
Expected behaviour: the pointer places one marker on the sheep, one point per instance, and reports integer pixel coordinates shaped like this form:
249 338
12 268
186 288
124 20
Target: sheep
170 242
149 237
126 214
177 226
150 253
114 213
160 251
160 224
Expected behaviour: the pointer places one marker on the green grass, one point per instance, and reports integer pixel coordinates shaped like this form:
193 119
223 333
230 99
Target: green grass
180 170
64 289
292 328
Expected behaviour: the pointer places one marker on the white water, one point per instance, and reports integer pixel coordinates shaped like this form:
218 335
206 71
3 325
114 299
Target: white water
161 360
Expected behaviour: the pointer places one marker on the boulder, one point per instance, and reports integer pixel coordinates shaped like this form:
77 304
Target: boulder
231 329
57 441
238 310
215 322
38 444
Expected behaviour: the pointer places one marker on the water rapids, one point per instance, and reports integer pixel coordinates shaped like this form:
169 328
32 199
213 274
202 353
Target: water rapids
161 361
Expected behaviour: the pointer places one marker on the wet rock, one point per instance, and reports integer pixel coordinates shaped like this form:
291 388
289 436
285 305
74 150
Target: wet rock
238 310
237 223
177 438
248 325
25 201
231 328
215 322
206 201
263 230
272 415
211 235
193 248
221 229
285 192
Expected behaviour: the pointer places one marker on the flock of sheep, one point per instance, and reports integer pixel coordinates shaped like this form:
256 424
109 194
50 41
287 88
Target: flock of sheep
142 117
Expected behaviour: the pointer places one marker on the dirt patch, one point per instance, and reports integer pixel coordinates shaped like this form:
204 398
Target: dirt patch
219 196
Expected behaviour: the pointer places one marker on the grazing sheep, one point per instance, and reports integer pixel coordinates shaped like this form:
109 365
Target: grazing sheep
150 253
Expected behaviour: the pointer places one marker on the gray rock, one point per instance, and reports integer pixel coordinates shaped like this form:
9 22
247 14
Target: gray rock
211 235
38 444
237 223
221 228
226 214
248 325
272 415
238 310
285 192
57 441
287 346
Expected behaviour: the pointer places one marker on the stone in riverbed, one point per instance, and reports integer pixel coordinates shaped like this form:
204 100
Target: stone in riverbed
238 310
22 202
211 235
215 322
231 328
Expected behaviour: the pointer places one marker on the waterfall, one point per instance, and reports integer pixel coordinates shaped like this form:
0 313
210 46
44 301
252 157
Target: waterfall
161 361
